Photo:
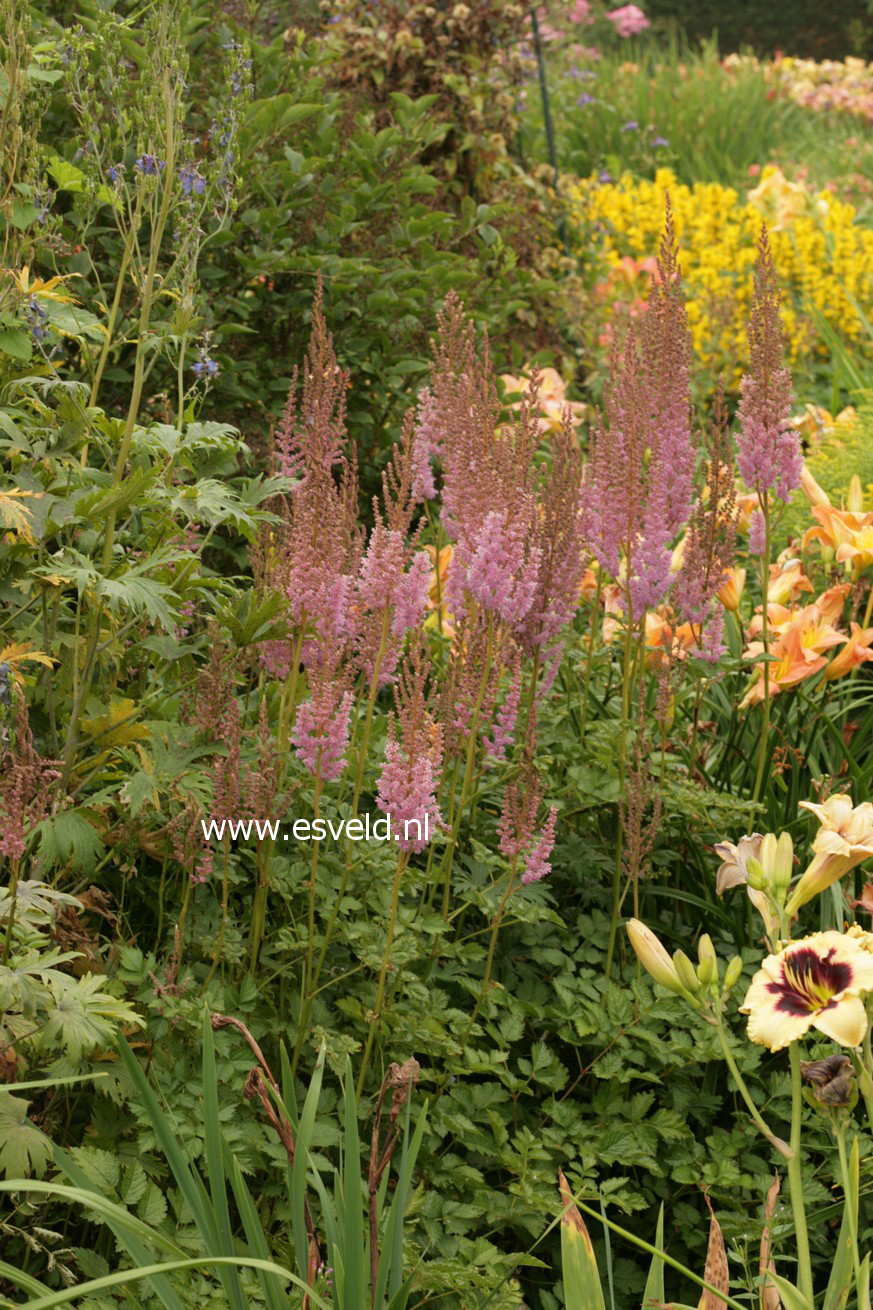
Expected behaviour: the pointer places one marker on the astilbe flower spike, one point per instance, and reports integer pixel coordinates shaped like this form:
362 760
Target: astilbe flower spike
393 581
317 551
709 545
769 453
640 478
413 755
321 732
25 783
488 501
560 536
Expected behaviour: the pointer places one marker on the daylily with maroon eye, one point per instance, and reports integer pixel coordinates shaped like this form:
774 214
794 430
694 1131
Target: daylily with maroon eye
813 983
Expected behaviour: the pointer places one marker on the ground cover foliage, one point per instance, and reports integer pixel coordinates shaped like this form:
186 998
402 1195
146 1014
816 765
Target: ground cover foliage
350 469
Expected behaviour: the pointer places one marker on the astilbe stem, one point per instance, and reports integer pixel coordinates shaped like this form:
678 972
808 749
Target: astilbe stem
769 453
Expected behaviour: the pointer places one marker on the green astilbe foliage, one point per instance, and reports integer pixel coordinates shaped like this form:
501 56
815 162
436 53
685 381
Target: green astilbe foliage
218 1227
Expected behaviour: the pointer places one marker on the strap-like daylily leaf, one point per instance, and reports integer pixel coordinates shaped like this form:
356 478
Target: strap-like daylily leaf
582 1289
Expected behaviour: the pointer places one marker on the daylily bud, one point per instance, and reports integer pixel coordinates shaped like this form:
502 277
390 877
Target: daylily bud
652 956
815 494
685 970
783 865
731 590
705 948
855 498
707 971
732 972
756 875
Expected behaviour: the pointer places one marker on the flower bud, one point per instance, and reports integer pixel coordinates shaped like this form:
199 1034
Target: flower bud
732 972
705 949
855 498
756 876
783 865
652 956
815 494
731 591
707 970
685 970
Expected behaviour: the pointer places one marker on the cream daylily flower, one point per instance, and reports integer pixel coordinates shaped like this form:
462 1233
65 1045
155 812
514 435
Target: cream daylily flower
814 983
733 872
844 840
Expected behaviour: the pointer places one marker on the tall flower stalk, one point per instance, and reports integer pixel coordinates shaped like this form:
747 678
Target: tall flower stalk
769 453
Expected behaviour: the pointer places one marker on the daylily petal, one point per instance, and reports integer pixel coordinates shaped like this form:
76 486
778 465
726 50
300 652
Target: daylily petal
769 1026
844 1022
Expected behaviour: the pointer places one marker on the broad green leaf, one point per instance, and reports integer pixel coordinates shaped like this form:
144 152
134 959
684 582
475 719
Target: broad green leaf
23 1148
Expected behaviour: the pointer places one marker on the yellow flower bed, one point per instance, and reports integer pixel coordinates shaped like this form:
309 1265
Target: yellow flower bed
822 255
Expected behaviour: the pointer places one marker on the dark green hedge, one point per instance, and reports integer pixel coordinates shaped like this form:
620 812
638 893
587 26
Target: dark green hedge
808 28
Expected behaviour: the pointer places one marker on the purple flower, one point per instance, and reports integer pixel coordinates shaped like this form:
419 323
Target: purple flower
659 142
630 126
113 173
321 735
604 177
538 864
585 99
769 453
407 794
149 165
205 367
192 182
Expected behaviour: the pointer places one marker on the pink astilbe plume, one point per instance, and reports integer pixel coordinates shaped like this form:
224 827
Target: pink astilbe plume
427 445
517 828
25 781
321 730
769 452
314 556
640 478
413 755
560 530
489 505
393 581
503 728
709 545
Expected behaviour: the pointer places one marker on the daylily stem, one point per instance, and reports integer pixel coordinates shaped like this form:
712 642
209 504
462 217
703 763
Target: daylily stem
840 1134
774 1141
795 1180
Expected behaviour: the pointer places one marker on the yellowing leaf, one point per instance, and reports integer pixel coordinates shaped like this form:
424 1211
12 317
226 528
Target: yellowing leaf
16 516
117 728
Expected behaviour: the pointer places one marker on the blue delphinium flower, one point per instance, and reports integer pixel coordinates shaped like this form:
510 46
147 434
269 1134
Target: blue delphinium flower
205 367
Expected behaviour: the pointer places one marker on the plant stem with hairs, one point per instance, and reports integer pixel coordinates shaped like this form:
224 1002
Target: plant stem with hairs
627 671
472 743
307 988
765 638
402 861
495 929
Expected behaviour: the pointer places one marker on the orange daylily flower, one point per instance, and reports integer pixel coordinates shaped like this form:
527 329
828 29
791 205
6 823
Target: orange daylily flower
786 581
552 397
792 665
839 528
856 650
662 637
748 504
